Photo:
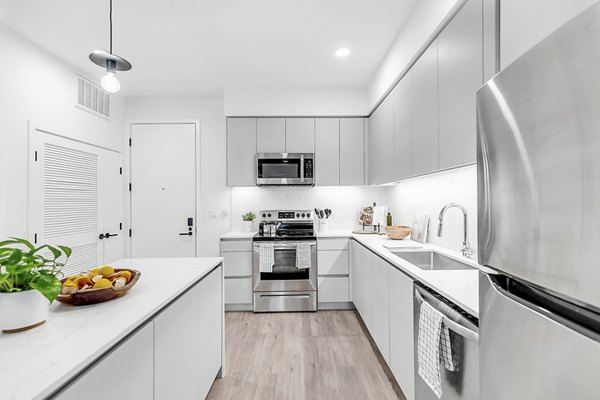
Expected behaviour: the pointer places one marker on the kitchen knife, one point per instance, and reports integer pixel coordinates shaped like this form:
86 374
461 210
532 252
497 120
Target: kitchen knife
317 213
327 212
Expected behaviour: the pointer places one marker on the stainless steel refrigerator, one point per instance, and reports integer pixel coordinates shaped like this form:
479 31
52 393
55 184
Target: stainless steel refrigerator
539 219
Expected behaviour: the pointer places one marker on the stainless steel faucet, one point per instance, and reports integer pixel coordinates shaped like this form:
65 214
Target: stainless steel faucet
467 251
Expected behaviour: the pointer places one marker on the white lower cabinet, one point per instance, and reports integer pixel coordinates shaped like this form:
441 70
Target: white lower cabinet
237 261
383 295
238 291
381 307
128 368
333 289
401 331
177 355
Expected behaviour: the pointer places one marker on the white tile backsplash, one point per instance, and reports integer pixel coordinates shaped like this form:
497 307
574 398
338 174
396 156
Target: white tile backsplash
428 194
344 202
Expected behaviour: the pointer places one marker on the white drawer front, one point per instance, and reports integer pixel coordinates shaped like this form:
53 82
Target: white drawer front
333 289
333 244
334 262
238 291
236 245
237 263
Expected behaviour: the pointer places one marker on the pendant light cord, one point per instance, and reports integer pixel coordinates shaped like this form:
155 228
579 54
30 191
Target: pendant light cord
110 18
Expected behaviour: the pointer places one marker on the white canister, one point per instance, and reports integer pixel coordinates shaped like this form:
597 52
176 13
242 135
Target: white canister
22 310
323 225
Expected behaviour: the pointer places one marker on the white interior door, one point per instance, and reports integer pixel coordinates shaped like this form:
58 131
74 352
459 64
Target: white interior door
163 190
74 197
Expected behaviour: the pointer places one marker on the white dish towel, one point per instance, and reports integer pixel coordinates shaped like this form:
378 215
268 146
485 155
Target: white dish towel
303 256
267 257
433 347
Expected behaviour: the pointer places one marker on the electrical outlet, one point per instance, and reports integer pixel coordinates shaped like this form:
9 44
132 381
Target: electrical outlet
212 213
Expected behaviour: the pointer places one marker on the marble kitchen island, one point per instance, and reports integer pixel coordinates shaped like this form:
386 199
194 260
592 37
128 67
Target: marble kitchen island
162 340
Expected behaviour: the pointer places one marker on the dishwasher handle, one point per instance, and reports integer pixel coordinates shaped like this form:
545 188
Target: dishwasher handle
454 326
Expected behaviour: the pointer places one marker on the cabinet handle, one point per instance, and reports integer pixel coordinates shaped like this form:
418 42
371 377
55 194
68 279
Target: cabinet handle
186 234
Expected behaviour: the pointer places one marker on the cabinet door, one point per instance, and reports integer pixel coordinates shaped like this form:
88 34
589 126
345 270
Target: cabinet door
300 135
356 276
333 289
460 54
241 151
386 141
425 112
176 349
270 135
401 332
238 291
209 331
327 151
237 263
523 24
381 307
334 262
352 151
403 128
127 371
367 267
374 140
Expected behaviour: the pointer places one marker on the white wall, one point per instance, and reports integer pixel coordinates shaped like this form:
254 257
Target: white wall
295 101
425 21
36 86
428 194
212 192
344 202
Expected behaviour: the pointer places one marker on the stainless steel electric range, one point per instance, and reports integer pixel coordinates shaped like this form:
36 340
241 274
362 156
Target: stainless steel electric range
286 288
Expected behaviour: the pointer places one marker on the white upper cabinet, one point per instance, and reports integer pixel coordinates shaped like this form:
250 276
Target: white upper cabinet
327 151
402 128
460 54
300 135
270 135
241 151
523 24
352 151
381 140
425 112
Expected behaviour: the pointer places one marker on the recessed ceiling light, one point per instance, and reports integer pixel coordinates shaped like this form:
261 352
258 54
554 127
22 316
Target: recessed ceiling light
342 52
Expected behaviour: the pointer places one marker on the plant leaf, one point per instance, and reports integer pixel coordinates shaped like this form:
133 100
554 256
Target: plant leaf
66 250
24 242
46 284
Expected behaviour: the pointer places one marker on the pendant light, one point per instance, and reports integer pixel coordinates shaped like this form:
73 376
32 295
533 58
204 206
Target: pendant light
111 62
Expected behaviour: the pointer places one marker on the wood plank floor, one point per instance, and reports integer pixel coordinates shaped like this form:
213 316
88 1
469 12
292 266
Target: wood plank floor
323 355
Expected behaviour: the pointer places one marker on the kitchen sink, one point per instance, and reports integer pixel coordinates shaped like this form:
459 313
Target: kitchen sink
432 261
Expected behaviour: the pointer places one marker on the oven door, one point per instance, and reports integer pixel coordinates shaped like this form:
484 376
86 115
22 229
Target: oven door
285 275
274 169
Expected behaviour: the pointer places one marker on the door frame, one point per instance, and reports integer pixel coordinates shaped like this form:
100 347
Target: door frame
127 172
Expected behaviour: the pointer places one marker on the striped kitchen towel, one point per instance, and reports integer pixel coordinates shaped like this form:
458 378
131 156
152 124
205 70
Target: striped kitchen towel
428 347
267 257
303 256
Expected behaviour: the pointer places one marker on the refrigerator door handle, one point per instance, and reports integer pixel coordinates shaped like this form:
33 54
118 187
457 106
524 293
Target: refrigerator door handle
449 323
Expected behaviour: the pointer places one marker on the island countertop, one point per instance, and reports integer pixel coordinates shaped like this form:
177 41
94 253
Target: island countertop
35 363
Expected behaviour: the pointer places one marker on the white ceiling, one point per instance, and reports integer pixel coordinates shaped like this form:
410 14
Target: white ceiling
198 47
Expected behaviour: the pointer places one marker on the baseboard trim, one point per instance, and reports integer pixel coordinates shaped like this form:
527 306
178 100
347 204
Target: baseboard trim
342 305
238 307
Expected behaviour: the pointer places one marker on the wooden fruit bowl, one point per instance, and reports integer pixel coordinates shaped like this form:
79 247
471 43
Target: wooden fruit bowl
93 296
397 232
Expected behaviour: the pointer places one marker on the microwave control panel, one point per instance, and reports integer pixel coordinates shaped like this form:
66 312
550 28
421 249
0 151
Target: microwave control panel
308 168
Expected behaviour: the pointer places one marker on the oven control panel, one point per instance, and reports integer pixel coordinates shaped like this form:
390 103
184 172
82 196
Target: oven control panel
286 215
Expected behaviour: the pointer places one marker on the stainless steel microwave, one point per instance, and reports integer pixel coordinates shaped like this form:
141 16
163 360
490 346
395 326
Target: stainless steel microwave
285 169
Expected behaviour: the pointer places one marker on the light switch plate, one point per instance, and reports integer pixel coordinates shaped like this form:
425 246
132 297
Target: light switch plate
212 213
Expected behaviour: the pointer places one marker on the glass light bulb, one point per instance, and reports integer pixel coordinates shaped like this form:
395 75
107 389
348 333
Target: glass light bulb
110 82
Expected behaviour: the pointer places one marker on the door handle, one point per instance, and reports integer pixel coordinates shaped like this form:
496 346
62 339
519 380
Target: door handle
186 234
101 236
109 235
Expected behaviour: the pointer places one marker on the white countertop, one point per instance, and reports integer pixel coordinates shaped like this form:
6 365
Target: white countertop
459 286
238 235
35 363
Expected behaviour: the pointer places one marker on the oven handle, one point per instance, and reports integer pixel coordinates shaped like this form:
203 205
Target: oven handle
287 296
280 246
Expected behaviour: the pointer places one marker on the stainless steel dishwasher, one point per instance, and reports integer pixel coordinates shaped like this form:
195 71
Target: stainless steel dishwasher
464 337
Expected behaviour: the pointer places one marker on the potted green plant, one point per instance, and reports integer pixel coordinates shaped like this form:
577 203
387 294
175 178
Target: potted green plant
29 282
247 221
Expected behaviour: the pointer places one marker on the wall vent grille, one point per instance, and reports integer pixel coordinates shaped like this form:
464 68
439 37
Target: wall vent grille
92 98
83 259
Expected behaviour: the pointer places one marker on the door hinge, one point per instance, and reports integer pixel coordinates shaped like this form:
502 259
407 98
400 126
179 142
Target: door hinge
35 238
120 226
130 187
120 170
130 233
35 156
129 142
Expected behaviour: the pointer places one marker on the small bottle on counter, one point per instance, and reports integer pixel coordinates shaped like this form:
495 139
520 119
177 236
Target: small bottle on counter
389 219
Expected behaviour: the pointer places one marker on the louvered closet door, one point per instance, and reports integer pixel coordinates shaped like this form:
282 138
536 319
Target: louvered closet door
68 198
